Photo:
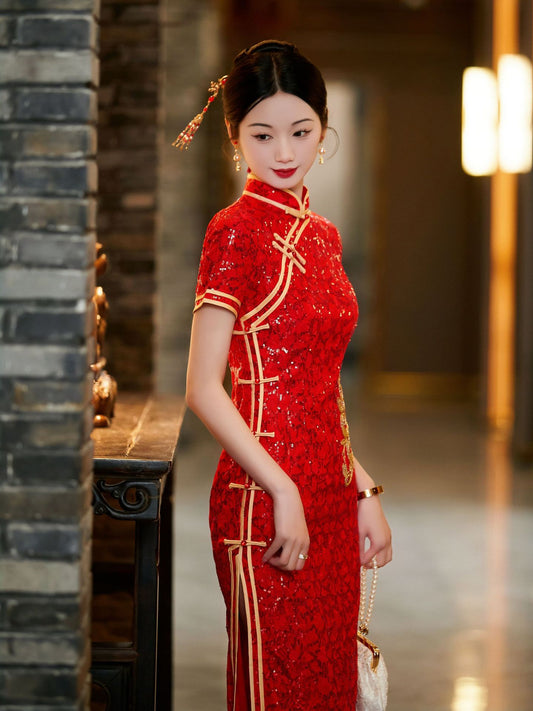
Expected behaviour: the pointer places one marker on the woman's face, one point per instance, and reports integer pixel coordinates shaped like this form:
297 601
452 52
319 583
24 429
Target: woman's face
279 140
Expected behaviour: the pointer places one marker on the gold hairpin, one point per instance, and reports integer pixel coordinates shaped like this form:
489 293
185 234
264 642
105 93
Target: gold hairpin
186 136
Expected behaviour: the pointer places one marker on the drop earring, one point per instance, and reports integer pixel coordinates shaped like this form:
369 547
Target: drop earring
321 154
237 158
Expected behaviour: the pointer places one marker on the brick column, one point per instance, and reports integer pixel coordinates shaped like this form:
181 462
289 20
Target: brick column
48 75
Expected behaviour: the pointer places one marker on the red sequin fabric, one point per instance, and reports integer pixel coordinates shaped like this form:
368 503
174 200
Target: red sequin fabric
292 635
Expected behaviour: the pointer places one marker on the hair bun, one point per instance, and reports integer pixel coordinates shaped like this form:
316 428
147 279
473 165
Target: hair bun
266 46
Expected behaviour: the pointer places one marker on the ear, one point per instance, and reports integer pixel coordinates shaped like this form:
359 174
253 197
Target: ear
228 129
323 134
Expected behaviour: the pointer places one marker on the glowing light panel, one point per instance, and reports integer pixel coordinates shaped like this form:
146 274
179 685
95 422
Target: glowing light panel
480 121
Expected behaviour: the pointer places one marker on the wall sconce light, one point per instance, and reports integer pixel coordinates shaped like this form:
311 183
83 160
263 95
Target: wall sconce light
480 121
497 117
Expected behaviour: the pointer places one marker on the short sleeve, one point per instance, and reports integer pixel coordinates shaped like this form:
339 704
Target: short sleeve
221 273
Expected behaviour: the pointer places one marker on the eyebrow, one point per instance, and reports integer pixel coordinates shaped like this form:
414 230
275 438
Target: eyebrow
267 125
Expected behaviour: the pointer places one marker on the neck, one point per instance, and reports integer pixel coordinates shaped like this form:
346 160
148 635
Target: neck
299 190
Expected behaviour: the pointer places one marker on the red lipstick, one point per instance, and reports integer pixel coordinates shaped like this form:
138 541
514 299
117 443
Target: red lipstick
285 172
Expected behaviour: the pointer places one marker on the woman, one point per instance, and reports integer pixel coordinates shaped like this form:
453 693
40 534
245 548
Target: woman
273 299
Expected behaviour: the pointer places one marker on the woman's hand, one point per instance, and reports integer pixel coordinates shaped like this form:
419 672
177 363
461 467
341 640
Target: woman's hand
291 534
373 527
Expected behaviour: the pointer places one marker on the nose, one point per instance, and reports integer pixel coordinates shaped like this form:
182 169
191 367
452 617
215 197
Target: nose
284 151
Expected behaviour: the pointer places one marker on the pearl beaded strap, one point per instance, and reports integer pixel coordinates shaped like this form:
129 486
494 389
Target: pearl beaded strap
365 612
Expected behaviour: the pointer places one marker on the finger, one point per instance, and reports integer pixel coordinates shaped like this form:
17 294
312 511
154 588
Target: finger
301 557
364 541
279 554
293 564
276 562
272 550
291 558
368 555
288 560
383 556
365 554
294 560
300 565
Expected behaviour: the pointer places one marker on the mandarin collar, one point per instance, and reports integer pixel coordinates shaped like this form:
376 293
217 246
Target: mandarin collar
286 200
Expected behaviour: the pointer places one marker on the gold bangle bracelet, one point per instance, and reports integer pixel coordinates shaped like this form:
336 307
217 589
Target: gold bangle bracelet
367 493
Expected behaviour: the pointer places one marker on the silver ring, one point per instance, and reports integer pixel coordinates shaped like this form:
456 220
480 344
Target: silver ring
302 556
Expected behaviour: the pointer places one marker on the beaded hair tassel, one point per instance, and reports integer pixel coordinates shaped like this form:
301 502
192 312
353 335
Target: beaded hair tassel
186 136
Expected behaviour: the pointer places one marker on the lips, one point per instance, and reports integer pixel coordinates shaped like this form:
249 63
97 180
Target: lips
285 172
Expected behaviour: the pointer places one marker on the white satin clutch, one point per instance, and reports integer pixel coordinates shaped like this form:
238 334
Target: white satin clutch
372 677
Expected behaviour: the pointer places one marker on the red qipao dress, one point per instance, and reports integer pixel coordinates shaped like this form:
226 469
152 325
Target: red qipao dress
292 635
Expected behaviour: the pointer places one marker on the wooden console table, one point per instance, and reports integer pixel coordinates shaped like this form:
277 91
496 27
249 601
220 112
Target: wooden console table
133 469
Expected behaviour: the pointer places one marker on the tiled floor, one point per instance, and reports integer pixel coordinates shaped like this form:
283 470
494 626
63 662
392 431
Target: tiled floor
454 611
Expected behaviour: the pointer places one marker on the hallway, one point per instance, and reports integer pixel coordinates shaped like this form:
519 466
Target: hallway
454 611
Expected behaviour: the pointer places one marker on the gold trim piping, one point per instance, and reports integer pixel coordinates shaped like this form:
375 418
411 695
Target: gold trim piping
287 283
263 327
250 645
259 639
282 296
248 487
216 292
276 288
237 574
289 255
242 381
290 247
268 298
250 512
242 512
260 672
244 543
215 303
252 176
257 351
233 555
300 214
252 385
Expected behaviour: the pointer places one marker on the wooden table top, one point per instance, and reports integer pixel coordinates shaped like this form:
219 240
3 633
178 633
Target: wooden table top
142 437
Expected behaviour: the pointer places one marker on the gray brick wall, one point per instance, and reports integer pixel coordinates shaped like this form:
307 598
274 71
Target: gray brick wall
48 180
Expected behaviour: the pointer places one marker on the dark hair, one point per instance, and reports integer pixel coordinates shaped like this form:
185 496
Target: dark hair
266 68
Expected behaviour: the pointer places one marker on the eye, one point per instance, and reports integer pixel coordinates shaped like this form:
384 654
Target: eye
262 136
302 132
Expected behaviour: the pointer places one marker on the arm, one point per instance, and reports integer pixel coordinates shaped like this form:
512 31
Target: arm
210 341
373 525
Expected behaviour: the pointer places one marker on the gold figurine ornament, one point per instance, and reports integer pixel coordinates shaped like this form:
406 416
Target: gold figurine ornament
104 385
